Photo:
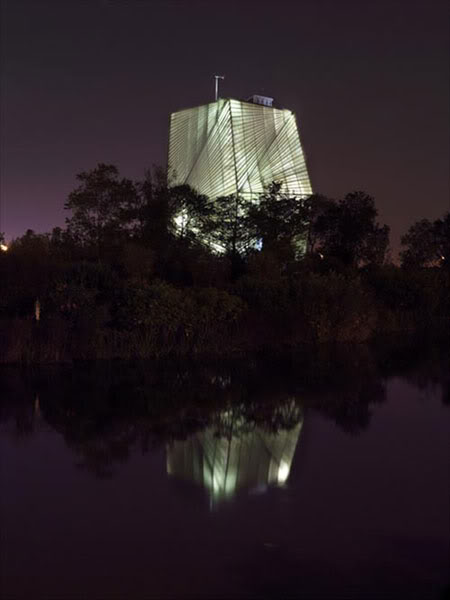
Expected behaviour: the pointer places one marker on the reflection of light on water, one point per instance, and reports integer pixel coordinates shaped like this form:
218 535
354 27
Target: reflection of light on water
251 460
283 471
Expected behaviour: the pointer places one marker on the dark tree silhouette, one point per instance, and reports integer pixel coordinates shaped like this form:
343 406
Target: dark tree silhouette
164 212
348 231
101 207
317 205
147 269
230 229
281 221
427 243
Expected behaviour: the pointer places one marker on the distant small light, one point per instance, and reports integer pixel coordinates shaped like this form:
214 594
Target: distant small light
442 257
3 247
321 255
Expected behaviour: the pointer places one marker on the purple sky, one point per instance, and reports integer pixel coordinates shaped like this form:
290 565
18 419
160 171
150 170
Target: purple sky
87 82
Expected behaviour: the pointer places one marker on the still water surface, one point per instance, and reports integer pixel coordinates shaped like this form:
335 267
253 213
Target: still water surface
224 485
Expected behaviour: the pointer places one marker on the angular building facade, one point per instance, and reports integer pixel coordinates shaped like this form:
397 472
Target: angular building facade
237 147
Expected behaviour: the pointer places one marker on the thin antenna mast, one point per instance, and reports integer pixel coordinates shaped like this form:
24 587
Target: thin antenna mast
217 77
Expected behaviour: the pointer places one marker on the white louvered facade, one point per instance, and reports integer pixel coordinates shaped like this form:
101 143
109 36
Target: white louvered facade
236 147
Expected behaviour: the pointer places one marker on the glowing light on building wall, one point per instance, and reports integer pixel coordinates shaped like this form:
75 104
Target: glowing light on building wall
3 247
236 147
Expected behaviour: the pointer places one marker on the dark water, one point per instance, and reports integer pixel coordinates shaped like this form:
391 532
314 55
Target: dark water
247 481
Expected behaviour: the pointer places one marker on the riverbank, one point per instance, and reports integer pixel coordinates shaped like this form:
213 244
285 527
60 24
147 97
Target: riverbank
91 311
58 340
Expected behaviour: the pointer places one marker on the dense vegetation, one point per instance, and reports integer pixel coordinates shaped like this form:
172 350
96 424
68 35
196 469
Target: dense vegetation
144 270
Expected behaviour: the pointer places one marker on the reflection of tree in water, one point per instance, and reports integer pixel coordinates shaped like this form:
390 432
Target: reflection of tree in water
235 453
105 413
423 361
349 406
114 442
344 384
19 404
107 416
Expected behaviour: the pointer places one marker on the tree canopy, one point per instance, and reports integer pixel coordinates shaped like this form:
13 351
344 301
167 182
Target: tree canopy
107 210
347 230
281 221
427 243
147 269
101 206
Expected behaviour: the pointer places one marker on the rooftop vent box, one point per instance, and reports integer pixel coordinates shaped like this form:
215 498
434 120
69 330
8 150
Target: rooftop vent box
257 99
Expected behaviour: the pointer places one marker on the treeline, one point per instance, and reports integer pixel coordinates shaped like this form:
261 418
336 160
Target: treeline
144 269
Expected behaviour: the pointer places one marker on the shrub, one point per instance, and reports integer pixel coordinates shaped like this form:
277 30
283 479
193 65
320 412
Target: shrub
335 307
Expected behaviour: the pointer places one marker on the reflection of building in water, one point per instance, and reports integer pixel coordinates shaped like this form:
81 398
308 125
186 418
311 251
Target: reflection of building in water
249 460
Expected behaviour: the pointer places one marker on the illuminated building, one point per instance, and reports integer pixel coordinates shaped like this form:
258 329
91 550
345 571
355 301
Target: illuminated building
237 147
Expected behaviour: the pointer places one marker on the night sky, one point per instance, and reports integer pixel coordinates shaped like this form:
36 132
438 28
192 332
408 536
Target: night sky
95 81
